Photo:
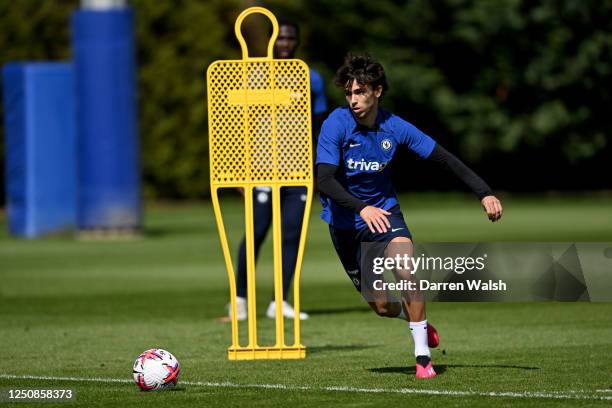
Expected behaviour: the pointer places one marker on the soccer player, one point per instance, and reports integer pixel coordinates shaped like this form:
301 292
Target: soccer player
355 148
293 199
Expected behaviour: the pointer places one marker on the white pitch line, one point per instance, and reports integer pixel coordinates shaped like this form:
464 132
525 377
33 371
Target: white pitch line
574 395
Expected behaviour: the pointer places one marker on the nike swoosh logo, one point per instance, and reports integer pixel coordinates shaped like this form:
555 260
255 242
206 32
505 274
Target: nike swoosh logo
355 145
396 229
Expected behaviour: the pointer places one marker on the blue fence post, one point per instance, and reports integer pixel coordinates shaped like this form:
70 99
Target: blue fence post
108 149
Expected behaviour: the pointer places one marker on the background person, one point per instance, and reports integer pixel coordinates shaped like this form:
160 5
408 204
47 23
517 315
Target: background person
293 199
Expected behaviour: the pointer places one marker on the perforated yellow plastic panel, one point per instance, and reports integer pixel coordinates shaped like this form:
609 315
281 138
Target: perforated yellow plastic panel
260 124
260 134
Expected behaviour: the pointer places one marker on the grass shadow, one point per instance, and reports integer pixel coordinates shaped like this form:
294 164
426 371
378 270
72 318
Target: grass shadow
174 230
339 310
331 348
441 368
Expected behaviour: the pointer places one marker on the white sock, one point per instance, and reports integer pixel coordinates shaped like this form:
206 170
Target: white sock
419 335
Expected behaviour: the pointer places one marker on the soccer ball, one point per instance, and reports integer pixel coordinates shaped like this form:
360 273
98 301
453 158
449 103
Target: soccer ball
156 369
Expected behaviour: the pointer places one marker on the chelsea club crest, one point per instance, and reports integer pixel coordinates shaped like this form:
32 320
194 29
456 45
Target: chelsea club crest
386 144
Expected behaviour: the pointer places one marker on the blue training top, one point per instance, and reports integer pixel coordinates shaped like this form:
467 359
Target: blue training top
363 157
317 92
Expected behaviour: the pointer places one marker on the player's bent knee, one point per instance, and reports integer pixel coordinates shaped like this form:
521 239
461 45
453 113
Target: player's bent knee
404 274
398 245
383 309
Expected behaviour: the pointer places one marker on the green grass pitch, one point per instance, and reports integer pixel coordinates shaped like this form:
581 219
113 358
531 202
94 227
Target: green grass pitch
75 311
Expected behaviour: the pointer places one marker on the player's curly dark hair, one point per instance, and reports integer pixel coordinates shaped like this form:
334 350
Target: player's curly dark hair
362 68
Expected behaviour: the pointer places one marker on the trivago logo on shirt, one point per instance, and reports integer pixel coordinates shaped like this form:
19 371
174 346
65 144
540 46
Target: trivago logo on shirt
363 165
363 159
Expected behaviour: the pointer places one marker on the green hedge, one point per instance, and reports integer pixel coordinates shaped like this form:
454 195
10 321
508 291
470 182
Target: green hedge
488 78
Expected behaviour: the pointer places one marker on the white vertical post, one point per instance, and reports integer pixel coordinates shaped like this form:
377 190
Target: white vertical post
103 4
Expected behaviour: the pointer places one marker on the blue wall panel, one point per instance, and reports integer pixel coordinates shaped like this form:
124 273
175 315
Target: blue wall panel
40 145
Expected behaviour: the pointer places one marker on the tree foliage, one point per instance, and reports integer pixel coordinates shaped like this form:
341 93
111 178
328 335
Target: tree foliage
176 43
501 81
493 75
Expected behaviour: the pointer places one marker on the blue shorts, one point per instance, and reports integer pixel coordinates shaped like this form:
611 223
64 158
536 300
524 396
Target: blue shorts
349 248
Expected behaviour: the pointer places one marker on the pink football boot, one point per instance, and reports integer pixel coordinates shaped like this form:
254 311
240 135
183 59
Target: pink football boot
424 369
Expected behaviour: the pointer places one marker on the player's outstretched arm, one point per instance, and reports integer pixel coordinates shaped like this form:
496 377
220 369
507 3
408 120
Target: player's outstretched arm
375 218
490 203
